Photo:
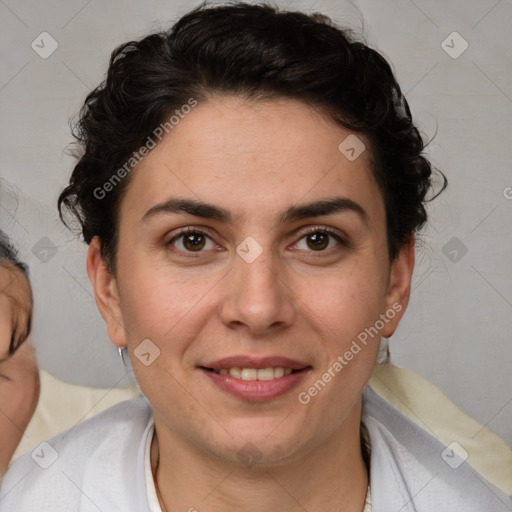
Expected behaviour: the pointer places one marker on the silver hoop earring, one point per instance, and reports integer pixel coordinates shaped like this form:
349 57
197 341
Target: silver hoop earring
120 351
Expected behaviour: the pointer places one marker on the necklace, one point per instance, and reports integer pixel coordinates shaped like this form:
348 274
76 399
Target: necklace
154 467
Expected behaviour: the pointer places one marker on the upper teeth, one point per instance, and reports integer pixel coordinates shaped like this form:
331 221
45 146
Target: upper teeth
256 374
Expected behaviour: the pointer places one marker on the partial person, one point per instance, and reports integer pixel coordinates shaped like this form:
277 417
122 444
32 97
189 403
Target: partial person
19 376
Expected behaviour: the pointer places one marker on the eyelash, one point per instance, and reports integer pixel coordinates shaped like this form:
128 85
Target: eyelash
305 233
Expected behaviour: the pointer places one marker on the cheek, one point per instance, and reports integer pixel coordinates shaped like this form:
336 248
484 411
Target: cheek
343 310
157 303
346 301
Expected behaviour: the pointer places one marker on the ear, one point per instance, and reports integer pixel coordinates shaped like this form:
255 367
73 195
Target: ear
106 293
399 286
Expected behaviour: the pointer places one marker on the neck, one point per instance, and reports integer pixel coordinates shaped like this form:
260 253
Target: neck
331 478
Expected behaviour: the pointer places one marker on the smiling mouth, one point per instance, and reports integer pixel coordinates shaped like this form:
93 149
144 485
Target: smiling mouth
252 374
256 380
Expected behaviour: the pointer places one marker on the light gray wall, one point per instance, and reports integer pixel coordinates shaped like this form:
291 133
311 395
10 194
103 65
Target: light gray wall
457 331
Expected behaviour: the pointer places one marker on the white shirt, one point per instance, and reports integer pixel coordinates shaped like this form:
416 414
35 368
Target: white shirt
103 465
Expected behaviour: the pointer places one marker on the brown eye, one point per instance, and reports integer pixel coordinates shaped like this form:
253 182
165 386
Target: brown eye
318 240
191 240
194 241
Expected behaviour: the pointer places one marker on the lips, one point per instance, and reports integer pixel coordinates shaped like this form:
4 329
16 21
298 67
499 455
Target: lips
256 379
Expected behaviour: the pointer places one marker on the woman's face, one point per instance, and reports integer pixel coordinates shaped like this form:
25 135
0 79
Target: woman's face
284 266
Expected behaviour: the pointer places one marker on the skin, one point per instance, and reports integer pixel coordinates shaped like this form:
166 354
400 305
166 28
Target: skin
19 376
255 159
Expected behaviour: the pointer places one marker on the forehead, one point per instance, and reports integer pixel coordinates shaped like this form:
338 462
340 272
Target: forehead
254 158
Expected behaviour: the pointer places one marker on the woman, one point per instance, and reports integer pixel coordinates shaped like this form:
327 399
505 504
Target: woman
250 186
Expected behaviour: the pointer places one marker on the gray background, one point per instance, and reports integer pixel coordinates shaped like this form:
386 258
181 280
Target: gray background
457 332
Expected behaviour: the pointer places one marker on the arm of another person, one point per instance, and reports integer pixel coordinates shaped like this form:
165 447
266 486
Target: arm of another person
19 376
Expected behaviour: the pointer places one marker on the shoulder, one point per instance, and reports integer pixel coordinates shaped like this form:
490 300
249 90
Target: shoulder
98 464
412 470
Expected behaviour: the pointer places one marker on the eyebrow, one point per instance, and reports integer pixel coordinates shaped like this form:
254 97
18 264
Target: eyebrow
191 207
293 213
323 207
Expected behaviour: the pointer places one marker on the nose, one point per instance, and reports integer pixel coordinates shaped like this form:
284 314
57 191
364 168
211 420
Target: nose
257 298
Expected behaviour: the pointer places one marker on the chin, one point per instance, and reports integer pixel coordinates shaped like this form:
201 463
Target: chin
271 444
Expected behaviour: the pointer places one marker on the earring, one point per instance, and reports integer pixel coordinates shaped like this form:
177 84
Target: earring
120 351
383 355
